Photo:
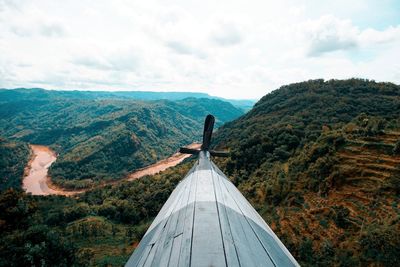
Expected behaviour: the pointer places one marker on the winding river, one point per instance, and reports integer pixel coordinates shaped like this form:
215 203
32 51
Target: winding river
37 182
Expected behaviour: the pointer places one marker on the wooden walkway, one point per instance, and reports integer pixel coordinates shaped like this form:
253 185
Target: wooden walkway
207 222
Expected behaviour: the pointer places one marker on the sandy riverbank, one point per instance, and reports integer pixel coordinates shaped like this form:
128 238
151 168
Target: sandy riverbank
161 165
37 181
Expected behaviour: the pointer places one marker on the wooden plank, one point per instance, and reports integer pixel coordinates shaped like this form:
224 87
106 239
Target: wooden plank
277 252
145 255
207 245
208 222
186 243
142 251
169 205
175 225
249 248
231 255
242 245
175 251
279 255
159 256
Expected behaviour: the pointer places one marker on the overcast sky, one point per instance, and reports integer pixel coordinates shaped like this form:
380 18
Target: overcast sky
233 49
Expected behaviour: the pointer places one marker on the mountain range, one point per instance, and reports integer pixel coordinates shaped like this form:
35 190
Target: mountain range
319 160
42 94
99 138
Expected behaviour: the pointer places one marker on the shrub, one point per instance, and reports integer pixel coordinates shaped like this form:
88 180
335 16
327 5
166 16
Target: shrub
341 216
381 243
396 149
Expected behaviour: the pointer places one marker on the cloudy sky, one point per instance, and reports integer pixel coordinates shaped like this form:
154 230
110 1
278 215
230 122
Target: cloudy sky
234 49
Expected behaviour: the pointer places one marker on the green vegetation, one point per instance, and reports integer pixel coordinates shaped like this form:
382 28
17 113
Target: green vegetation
24 240
100 228
14 156
293 115
317 159
41 94
99 140
381 243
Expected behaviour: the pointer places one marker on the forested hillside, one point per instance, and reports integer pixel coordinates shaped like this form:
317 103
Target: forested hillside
14 156
101 140
41 94
320 161
99 228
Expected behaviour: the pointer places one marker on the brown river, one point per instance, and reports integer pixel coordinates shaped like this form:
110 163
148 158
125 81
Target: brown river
37 182
36 179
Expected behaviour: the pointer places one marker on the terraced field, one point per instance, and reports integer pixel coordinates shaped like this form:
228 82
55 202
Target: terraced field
364 197
369 162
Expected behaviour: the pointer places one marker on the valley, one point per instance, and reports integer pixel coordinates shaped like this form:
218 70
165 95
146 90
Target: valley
319 160
289 112
36 181
99 139
161 165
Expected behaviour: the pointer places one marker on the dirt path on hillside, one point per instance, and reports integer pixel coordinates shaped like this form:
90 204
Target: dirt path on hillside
37 182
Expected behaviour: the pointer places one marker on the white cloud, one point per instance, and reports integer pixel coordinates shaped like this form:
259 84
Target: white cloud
226 34
372 36
184 49
45 29
330 34
52 30
8 4
226 48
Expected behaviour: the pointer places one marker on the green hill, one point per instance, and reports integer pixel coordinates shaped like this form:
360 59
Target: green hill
320 161
42 94
105 139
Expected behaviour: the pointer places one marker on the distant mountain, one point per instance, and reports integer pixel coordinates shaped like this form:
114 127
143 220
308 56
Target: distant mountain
42 94
321 162
104 139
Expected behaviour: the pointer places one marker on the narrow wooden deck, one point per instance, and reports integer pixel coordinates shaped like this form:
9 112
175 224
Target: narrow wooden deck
207 222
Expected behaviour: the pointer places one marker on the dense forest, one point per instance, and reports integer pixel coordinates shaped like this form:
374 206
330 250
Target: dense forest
319 160
99 228
99 140
13 160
